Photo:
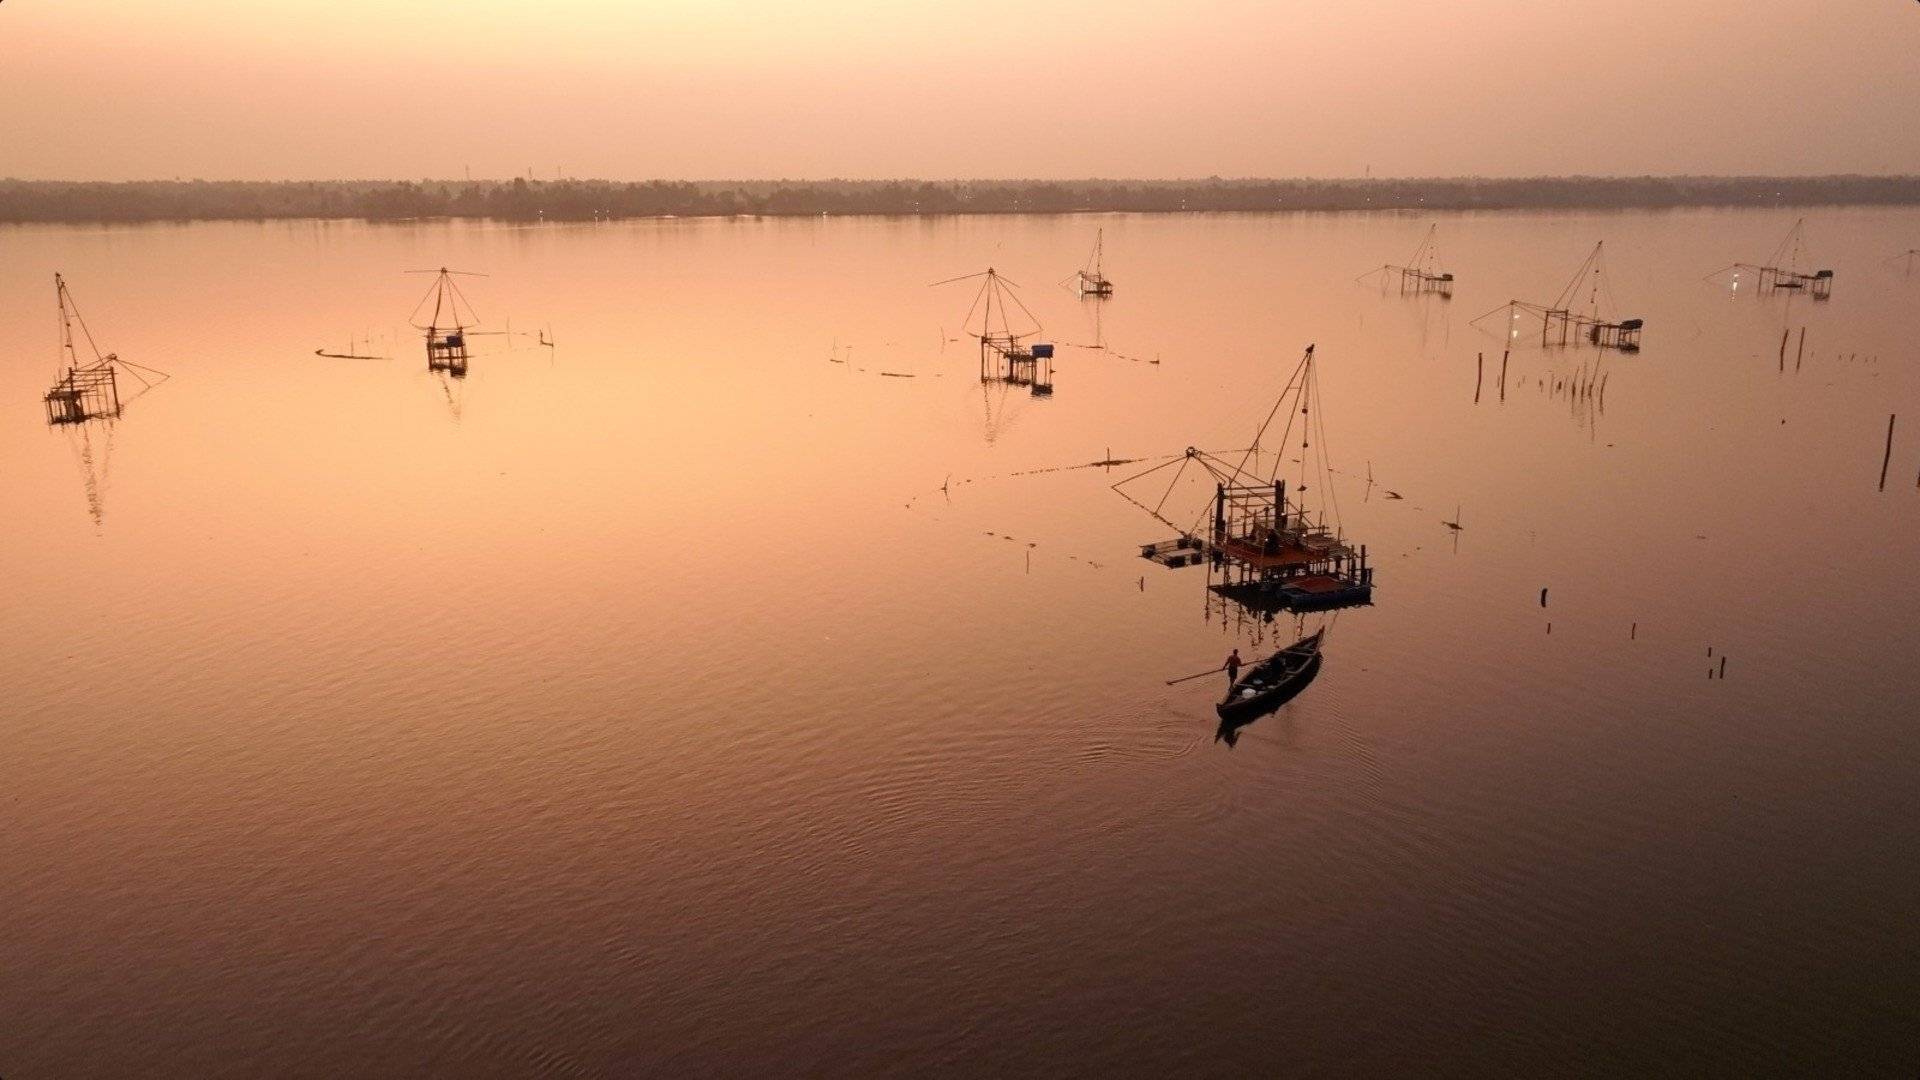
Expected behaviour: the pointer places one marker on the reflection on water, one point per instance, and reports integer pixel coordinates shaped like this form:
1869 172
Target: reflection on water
693 705
94 460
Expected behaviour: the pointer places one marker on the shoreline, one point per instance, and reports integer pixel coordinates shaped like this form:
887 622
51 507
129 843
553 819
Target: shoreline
24 202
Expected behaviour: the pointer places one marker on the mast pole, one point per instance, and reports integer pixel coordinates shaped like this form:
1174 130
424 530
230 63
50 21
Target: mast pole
1306 435
986 313
986 328
439 294
66 322
1593 297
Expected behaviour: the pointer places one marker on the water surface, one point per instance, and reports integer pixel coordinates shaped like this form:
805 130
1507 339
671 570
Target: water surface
680 700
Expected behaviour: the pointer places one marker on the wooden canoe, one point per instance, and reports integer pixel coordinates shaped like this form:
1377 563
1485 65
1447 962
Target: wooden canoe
1274 681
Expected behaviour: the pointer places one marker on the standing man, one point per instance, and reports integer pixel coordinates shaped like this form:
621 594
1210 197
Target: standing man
1233 669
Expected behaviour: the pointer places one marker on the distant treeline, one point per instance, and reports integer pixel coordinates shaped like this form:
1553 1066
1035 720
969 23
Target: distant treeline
522 199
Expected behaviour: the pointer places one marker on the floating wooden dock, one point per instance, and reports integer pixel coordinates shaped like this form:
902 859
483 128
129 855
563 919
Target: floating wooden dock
1269 558
1265 545
1178 552
1569 327
1304 592
1414 279
1818 284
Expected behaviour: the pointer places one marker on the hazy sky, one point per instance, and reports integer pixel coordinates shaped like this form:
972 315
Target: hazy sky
272 89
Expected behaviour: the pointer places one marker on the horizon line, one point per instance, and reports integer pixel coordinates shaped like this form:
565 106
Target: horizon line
531 177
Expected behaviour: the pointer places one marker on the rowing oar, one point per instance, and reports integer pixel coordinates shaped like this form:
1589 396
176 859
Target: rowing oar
1202 675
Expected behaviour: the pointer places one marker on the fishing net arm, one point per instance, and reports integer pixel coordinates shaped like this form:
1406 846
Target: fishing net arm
1120 488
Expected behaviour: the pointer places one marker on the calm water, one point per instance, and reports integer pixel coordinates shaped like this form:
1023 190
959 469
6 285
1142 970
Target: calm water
644 705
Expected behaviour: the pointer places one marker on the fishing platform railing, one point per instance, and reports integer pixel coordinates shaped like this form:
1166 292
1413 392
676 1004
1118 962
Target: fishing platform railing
83 394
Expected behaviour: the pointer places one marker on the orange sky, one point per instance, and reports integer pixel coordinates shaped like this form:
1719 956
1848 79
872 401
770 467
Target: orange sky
273 89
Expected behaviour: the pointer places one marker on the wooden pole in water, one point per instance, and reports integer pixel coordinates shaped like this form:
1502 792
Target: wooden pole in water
1802 350
1889 455
1504 353
1783 350
1479 370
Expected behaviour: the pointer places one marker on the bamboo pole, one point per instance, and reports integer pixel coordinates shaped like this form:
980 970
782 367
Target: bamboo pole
1888 458
1202 675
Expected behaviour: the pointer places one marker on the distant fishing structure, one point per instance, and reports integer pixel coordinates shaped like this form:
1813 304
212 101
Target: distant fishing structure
447 327
353 353
1422 272
1093 279
1003 325
89 389
1569 319
1272 545
1905 257
1782 272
